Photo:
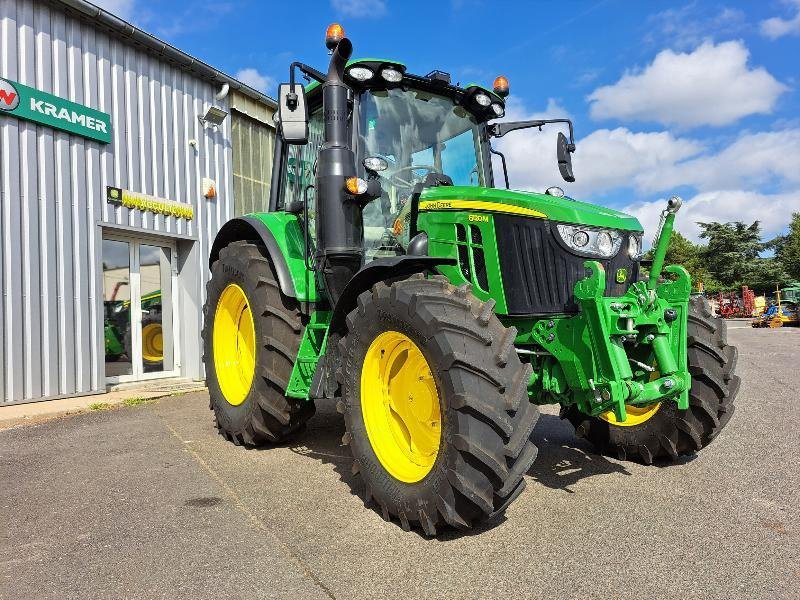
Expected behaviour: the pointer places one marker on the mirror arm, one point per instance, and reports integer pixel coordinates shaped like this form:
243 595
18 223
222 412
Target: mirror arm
310 72
498 130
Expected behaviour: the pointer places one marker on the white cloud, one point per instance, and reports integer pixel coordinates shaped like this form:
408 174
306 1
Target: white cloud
772 210
359 8
712 85
688 26
604 160
753 160
124 9
255 79
777 27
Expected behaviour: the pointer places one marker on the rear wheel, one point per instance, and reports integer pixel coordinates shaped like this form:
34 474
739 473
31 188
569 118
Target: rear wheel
435 403
152 339
251 336
661 431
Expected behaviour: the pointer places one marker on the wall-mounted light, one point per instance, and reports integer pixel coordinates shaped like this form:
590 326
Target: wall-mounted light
214 116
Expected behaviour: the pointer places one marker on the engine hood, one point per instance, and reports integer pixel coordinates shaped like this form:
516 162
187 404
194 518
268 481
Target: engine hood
543 206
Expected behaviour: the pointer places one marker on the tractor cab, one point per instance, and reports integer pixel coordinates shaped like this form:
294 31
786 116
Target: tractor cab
408 132
403 128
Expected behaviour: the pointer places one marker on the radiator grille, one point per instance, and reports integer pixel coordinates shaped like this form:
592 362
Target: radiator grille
539 273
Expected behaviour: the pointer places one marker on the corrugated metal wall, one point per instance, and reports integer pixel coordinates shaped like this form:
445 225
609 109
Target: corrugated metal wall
53 190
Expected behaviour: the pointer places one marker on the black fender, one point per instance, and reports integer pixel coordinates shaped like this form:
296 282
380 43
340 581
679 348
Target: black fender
251 229
380 269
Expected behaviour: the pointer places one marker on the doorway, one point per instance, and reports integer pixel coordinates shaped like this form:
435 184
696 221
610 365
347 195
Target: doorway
140 318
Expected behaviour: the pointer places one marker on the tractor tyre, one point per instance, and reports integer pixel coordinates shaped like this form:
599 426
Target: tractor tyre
251 335
151 341
663 432
435 403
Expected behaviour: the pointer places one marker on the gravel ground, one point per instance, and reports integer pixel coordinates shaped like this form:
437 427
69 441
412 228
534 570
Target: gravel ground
149 502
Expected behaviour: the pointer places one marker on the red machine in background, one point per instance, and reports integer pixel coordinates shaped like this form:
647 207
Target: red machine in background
731 305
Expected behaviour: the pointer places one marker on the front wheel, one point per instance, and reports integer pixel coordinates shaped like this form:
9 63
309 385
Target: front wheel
661 431
435 403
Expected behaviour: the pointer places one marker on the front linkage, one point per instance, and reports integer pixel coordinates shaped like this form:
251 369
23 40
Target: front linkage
618 351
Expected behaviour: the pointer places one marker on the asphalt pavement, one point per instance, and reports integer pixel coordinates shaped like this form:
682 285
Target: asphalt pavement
149 502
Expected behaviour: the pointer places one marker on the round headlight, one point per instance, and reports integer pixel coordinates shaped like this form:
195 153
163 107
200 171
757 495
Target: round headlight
634 246
580 239
391 75
554 191
498 109
360 73
483 99
604 243
375 163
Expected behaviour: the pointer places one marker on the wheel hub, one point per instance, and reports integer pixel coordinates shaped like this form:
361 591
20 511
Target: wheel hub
234 344
152 343
400 407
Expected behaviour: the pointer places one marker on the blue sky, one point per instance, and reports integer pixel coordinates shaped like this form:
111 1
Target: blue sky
698 98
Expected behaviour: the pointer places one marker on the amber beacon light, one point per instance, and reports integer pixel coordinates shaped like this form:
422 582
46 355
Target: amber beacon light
333 35
501 86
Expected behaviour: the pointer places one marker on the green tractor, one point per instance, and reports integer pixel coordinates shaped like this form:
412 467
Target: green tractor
391 277
117 331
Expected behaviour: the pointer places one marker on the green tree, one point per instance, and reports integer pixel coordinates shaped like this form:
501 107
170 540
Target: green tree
732 249
787 248
684 252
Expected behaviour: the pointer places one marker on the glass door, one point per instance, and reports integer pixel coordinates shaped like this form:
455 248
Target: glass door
140 325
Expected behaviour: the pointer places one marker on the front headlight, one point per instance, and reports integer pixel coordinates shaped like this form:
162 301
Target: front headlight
635 246
604 243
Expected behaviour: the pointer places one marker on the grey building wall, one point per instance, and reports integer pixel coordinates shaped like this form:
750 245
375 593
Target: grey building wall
52 184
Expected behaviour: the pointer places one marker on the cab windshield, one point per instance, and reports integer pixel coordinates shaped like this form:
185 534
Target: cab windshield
417 133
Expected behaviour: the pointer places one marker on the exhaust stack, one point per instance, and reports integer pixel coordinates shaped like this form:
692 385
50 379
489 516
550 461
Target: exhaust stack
340 229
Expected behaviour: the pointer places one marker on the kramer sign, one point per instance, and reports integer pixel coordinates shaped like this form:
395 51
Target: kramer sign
29 103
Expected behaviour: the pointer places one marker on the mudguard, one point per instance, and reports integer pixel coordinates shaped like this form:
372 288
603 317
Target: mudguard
282 237
380 269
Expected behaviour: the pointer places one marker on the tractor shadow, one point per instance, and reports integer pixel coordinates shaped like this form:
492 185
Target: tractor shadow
563 459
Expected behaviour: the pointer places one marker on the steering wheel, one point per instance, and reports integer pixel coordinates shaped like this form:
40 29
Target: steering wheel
400 182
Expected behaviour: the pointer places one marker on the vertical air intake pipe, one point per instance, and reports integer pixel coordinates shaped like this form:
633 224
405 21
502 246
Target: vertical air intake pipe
340 230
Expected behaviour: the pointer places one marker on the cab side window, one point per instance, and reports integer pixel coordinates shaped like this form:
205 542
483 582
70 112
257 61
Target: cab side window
300 164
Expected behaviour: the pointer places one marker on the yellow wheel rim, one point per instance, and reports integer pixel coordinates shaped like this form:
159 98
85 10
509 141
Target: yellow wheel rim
152 343
636 415
400 406
234 344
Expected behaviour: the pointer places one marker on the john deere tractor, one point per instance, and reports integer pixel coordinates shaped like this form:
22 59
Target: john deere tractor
437 311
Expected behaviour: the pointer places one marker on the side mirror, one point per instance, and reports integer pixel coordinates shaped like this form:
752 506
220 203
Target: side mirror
564 152
293 114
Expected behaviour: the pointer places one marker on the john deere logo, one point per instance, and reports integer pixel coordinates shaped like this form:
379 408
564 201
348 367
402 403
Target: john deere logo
622 275
9 98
